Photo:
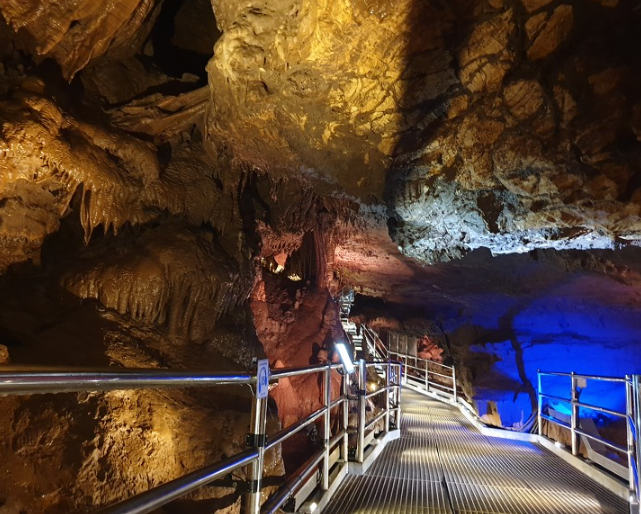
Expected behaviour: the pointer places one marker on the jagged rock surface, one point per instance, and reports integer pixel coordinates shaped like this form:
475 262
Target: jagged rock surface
537 159
74 32
503 126
198 218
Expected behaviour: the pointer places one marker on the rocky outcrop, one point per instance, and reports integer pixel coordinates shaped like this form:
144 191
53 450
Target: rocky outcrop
171 277
469 126
76 452
538 159
318 87
193 217
76 32
48 156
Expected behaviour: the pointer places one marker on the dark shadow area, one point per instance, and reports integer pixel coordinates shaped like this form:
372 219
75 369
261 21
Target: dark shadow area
183 37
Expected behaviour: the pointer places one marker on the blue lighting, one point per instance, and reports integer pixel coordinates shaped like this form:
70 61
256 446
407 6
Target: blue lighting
555 332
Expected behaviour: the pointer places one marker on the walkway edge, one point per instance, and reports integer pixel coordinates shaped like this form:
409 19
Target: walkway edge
358 468
322 498
596 474
613 484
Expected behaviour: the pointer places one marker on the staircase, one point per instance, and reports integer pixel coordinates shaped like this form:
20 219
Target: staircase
367 344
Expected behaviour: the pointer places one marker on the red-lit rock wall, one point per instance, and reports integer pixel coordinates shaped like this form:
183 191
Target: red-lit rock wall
297 326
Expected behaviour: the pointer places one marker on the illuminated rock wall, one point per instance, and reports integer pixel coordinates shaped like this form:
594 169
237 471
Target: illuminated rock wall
186 184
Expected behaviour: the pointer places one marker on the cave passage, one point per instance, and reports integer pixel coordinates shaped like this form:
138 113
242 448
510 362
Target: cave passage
197 185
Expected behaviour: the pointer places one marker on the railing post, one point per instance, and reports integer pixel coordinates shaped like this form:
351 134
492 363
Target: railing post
454 384
404 369
630 438
398 399
575 416
636 402
388 385
345 418
540 401
327 374
256 439
427 377
362 391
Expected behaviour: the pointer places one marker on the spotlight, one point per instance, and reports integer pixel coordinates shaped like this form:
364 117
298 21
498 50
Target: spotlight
308 507
345 357
372 387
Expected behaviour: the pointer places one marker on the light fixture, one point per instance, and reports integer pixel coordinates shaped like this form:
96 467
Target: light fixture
372 387
345 357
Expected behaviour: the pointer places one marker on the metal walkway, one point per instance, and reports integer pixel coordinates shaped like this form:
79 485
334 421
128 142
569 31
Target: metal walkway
441 464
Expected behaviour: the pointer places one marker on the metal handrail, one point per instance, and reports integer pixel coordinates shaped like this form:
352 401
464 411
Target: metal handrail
632 417
286 433
323 455
601 378
575 404
424 374
423 380
586 406
405 355
379 346
158 496
22 381
392 391
19 381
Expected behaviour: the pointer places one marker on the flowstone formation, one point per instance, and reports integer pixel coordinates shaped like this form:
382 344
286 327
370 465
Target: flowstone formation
189 184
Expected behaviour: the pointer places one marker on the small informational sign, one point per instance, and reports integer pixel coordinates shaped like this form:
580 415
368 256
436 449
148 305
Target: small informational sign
262 379
581 383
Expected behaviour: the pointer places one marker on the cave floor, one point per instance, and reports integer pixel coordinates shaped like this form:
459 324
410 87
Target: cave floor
441 464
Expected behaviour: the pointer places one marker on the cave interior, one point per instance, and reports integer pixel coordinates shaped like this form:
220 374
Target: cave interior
194 184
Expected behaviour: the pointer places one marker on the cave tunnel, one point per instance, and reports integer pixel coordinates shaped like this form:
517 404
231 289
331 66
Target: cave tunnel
196 186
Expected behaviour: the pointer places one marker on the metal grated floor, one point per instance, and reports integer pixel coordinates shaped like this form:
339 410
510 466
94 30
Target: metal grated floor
442 465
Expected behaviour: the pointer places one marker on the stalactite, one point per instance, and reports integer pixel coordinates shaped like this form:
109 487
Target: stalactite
171 277
117 176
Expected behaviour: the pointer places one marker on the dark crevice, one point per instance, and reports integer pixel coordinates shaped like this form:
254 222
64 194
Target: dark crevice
168 56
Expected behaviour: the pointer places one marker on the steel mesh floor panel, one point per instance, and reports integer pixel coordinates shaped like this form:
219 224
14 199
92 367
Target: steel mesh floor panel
467 498
408 459
384 495
441 464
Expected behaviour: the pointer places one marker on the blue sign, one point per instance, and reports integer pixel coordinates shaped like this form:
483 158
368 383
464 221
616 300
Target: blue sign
262 379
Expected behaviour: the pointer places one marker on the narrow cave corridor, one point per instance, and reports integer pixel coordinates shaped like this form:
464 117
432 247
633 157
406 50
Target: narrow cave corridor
197 186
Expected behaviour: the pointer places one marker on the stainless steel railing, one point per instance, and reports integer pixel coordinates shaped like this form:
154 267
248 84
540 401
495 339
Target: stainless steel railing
391 410
22 382
436 379
429 375
630 391
377 348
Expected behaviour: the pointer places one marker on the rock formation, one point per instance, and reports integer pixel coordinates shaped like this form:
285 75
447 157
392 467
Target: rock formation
189 184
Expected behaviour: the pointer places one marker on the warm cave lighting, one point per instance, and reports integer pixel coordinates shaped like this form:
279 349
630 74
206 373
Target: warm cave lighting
345 357
372 387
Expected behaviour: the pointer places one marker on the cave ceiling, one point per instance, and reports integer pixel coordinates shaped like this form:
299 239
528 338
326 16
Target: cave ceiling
369 139
190 184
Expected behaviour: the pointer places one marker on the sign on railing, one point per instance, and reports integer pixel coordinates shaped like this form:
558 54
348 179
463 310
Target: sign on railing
262 379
